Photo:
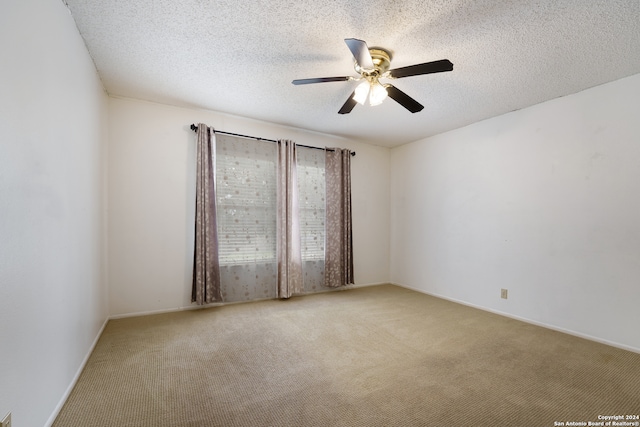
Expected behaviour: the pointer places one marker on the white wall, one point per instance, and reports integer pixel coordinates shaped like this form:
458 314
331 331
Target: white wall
52 137
544 202
152 193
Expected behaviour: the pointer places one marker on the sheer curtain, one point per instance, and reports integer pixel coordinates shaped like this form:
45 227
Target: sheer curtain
246 196
206 270
339 240
312 194
288 251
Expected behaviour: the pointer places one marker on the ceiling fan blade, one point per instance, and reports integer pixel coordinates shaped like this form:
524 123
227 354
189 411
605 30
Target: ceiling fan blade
403 99
360 52
418 69
320 80
348 106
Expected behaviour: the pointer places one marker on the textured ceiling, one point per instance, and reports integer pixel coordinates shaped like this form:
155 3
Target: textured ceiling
240 57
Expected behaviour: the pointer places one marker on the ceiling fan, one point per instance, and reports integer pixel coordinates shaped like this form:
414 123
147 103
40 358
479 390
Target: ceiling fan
372 64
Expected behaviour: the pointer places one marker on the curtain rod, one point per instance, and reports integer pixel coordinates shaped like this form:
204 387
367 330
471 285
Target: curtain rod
195 129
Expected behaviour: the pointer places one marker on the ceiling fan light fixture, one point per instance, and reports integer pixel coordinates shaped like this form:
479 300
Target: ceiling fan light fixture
361 92
378 93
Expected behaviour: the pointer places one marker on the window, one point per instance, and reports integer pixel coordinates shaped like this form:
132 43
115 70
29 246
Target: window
311 191
246 197
246 201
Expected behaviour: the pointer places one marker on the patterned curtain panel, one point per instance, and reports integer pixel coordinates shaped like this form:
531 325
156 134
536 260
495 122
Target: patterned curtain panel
339 241
288 252
206 271
312 196
246 202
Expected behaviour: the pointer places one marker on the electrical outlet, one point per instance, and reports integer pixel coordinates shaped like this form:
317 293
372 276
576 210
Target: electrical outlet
503 293
6 421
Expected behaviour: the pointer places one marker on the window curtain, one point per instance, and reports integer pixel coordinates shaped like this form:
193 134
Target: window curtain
206 270
246 206
339 240
288 252
312 193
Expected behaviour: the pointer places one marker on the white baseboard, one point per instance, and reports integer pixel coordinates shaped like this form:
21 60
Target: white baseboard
160 311
366 285
219 304
526 320
66 394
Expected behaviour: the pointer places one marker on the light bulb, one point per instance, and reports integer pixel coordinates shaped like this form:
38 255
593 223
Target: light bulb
378 93
361 92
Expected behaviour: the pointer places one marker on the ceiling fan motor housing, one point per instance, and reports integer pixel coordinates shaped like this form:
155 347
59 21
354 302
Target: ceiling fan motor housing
381 59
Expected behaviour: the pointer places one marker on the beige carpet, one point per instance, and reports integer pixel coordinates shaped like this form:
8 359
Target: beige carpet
376 356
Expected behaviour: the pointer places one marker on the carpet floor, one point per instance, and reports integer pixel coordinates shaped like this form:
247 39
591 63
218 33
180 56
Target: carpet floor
373 356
